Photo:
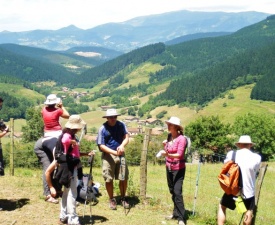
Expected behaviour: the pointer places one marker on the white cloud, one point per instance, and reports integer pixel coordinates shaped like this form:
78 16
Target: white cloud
23 15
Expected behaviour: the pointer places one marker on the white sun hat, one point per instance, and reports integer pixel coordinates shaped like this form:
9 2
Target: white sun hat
75 122
174 120
244 139
111 112
52 99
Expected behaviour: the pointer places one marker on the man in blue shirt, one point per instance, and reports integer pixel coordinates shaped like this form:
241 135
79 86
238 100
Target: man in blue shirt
112 139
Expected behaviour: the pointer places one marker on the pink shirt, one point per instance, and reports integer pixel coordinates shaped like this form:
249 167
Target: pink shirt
66 140
176 146
51 118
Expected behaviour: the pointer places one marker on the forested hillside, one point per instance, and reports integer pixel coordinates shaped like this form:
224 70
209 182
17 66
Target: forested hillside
31 69
200 70
113 67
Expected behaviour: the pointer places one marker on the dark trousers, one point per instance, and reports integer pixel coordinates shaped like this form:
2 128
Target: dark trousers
43 150
2 173
175 180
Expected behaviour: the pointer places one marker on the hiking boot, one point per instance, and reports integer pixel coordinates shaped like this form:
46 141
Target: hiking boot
62 221
181 222
125 203
112 204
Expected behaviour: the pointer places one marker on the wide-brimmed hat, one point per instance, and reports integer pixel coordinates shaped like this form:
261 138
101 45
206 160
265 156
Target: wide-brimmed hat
75 122
111 112
244 139
174 120
52 99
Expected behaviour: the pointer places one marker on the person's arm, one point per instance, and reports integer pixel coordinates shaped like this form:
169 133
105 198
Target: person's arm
87 153
105 149
180 149
121 148
65 113
4 132
48 173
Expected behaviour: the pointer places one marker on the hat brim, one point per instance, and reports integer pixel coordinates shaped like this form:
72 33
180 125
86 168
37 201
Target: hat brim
75 126
110 115
167 122
238 143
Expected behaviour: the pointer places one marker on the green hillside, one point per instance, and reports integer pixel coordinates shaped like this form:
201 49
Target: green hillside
227 108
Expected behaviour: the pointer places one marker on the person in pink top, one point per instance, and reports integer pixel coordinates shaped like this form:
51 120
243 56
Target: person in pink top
174 147
68 171
51 114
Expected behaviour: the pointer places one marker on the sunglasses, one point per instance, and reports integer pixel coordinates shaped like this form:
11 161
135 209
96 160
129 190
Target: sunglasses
112 117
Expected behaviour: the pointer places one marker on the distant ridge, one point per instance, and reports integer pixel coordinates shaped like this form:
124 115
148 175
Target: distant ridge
135 33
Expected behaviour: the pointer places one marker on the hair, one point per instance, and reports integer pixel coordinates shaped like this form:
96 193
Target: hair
50 106
244 145
72 132
1 99
169 136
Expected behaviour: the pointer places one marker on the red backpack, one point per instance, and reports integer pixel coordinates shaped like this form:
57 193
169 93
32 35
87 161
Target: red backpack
230 177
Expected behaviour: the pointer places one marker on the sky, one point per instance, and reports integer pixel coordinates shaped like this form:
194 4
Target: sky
26 15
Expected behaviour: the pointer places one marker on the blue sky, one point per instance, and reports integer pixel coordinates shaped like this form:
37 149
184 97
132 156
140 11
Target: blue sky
25 15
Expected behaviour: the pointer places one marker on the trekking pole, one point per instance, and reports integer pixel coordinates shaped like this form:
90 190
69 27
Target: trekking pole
88 190
241 219
122 175
197 184
83 131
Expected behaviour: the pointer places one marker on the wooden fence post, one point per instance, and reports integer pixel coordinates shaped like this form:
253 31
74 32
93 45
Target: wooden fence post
259 183
143 164
12 147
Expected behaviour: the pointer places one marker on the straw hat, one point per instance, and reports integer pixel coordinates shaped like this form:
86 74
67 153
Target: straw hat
52 100
175 121
75 122
111 112
244 139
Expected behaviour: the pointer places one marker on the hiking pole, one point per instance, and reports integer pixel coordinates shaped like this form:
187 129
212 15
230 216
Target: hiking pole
241 219
122 176
88 188
197 184
83 131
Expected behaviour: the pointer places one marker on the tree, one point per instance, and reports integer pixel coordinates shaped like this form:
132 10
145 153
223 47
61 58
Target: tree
261 130
35 127
210 133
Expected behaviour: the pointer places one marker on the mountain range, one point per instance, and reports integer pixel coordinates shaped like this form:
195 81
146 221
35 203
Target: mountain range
189 73
136 32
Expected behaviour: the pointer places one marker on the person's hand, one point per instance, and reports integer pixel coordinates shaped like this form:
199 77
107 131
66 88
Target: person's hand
91 153
120 150
7 129
73 143
53 191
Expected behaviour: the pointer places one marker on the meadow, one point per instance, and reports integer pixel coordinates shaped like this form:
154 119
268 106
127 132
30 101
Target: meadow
23 202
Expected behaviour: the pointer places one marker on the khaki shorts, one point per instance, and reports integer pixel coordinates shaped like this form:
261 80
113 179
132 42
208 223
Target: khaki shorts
114 167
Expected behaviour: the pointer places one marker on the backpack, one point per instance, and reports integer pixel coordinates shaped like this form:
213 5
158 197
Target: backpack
59 150
230 177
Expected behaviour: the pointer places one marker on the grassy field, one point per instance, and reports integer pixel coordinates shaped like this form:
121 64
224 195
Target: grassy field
22 199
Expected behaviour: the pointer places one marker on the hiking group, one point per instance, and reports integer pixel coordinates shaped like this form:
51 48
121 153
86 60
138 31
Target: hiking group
59 153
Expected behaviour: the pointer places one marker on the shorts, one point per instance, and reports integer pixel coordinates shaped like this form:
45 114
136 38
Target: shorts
114 167
229 202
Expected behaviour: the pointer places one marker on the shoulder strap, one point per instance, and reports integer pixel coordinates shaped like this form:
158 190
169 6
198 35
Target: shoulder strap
233 156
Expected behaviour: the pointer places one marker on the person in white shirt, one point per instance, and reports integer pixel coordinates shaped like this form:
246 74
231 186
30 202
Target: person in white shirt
249 164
